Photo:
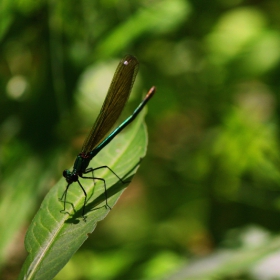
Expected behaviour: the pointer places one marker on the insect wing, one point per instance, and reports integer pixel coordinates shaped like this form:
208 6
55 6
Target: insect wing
114 103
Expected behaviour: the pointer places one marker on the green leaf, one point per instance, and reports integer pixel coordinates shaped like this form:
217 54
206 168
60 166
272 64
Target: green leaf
53 237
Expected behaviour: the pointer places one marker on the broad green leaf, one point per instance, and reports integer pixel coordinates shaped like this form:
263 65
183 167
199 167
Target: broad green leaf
53 237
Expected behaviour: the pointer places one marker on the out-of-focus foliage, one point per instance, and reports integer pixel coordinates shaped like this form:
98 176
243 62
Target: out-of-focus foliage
210 181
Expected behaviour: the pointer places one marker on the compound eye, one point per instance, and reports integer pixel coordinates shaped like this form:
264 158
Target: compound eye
64 173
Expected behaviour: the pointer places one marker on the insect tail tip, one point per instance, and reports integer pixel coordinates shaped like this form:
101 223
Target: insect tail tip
151 92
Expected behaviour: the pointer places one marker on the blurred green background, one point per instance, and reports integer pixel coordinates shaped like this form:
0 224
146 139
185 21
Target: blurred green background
205 203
